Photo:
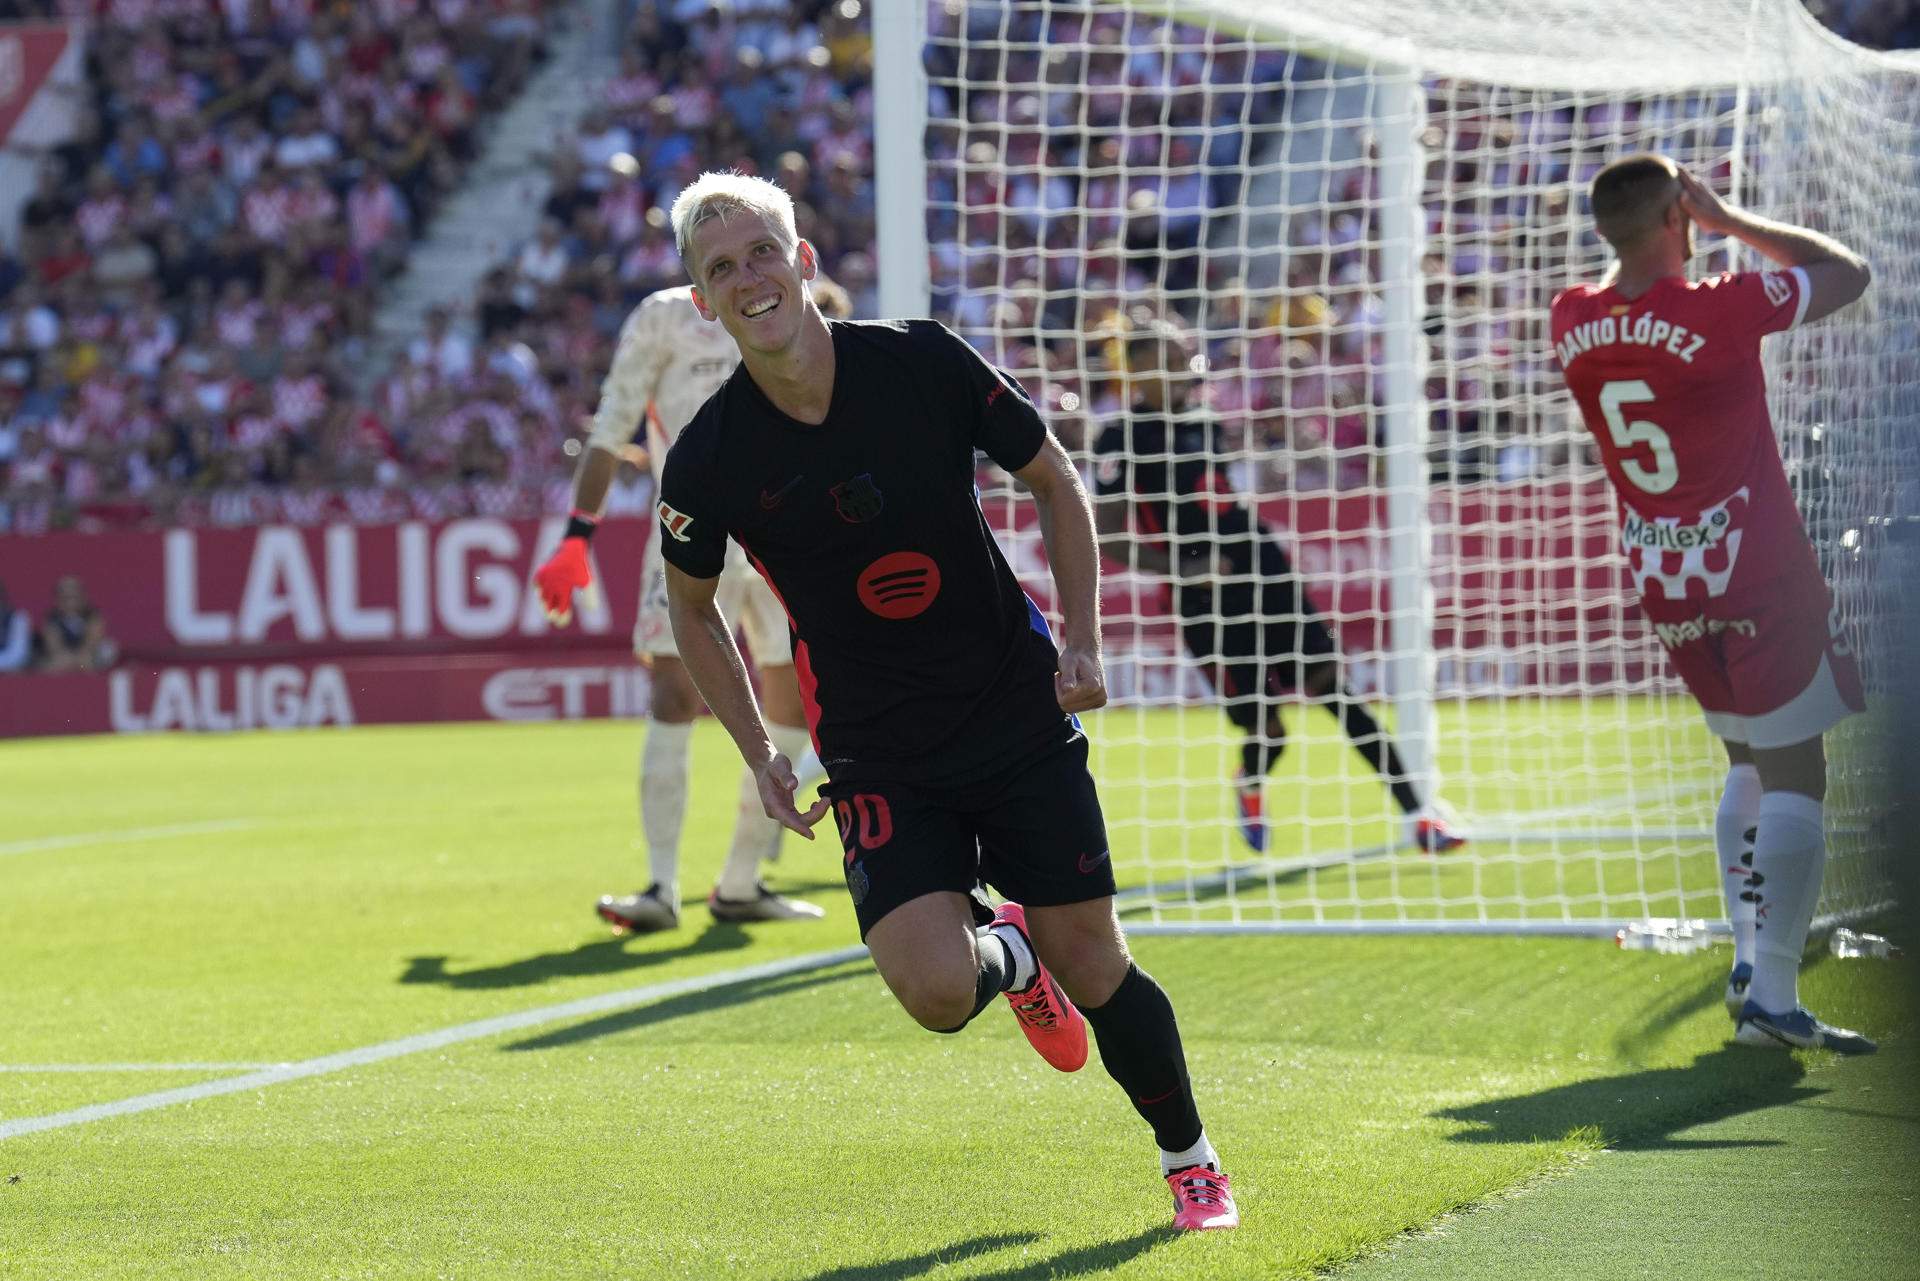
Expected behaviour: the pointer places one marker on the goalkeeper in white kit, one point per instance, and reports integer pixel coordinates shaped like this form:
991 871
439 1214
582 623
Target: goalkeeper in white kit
667 363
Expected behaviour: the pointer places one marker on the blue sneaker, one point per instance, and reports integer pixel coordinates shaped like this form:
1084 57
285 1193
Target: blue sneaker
1796 1029
1737 990
1253 824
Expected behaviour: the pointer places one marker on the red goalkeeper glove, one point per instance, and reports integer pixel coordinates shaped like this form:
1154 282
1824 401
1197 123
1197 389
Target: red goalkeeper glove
565 573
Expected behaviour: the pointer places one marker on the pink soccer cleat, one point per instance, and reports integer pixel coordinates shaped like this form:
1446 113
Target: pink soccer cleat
1431 832
1253 823
1053 1026
1202 1199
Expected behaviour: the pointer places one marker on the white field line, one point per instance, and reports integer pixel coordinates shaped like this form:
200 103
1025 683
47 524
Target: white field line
1639 796
1131 899
459 1032
32 1068
126 835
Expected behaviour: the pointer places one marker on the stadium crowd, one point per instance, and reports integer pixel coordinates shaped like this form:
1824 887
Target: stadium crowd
198 267
198 264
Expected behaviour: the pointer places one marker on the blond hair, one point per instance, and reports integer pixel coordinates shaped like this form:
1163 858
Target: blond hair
721 194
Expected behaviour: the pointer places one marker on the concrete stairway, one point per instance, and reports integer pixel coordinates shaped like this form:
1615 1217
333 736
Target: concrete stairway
497 206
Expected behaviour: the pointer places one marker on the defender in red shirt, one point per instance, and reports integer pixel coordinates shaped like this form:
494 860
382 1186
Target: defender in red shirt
1667 374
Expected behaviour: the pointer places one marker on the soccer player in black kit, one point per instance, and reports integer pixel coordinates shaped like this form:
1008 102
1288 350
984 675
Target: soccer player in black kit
1243 614
840 456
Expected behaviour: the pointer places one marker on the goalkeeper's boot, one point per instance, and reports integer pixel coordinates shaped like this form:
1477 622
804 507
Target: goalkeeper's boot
1253 823
1737 990
1051 1023
1432 832
1202 1198
647 912
1798 1030
765 905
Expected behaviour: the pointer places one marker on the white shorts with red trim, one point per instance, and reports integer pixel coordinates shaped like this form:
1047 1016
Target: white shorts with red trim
744 598
1770 667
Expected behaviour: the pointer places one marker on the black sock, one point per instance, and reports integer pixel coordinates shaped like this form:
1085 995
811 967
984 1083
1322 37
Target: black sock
995 977
1140 1048
1372 742
1260 750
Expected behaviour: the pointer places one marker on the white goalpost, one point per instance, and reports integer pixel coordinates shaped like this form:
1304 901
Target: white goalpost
1361 212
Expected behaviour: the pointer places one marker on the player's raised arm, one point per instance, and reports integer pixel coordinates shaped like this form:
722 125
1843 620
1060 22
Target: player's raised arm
624 395
1066 526
1836 275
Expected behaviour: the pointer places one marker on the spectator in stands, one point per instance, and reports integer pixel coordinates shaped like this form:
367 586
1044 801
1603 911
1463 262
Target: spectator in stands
73 637
16 635
47 209
543 263
281 149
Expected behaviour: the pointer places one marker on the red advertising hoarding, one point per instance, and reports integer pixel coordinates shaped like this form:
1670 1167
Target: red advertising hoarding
278 626
279 591
310 693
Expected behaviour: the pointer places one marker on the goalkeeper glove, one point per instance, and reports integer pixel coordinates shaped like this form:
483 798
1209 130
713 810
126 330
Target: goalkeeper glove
566 572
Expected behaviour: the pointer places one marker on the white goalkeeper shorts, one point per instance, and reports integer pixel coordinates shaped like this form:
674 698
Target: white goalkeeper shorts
745 601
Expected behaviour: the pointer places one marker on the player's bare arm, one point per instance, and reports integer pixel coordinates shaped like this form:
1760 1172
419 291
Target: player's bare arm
568 570
623 403
1119 544
1066 526
595 477
713 660
1836 274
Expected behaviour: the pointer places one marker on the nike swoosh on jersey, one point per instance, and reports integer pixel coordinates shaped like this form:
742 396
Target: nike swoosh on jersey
1089 862
771 500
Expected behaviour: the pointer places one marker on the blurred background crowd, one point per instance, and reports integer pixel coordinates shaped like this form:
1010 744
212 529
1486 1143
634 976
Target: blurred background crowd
186 312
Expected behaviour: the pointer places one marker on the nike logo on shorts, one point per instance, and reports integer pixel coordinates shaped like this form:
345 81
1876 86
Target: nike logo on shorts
1090 863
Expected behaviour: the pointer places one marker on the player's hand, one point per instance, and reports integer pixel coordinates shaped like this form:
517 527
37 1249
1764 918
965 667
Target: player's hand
1081 684
566 572
778 783
1703 204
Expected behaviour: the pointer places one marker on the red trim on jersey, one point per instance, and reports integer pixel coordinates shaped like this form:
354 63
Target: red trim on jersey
809 688
802 663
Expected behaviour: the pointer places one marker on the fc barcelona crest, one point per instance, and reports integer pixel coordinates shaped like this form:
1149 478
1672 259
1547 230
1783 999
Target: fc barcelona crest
858 500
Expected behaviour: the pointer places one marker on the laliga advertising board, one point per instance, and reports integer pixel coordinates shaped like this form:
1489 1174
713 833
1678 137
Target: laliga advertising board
280 627
285 592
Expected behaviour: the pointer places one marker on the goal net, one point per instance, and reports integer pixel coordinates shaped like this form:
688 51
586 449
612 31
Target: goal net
1360 220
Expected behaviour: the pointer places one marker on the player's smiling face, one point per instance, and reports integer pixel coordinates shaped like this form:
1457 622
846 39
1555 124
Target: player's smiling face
752 280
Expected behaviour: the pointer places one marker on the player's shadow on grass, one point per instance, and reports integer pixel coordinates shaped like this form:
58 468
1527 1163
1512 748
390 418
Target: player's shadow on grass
602 956
1643 1111
679 1007
1668 1006
1086 1261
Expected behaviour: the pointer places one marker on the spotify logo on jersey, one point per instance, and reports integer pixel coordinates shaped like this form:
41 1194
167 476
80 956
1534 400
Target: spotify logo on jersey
900 584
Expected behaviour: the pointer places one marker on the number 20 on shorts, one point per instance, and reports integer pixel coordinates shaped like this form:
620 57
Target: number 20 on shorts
866 822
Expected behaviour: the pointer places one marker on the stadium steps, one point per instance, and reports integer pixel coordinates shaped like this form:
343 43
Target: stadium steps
497 206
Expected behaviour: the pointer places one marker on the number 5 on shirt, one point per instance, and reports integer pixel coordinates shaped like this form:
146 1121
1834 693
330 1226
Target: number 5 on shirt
1634 391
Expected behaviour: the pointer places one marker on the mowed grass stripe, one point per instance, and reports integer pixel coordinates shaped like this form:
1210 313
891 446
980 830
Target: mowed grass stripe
477 1030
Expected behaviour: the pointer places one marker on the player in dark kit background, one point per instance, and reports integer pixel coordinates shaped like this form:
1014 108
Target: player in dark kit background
840 456
1244 615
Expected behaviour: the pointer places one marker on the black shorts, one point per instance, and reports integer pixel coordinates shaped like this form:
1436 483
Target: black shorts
1255 632
1032 830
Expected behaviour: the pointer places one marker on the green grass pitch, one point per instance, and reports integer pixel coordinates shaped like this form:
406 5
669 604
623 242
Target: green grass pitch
274 898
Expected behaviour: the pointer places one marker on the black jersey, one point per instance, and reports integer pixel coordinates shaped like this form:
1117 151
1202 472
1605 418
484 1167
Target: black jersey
1180 490
918 654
